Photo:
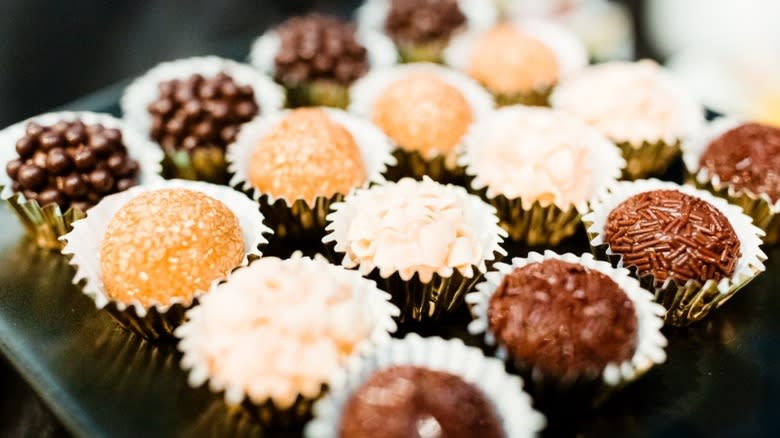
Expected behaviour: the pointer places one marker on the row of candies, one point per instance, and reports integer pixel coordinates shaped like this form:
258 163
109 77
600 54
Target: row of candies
277 330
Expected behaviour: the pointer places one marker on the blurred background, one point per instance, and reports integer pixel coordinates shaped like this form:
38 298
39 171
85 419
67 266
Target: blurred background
53 52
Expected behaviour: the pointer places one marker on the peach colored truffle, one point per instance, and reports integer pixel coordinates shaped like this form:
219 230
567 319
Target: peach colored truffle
305 156
167 245
423 113
506 60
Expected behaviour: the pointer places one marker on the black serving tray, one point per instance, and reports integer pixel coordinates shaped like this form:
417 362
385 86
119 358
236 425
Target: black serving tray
722 377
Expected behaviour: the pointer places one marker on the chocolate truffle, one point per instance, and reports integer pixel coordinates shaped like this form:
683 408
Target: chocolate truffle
670 234
423 21
71 164
306 155
423 113
506 60
167 245
563 319
408 401
200 112
748 158
318 47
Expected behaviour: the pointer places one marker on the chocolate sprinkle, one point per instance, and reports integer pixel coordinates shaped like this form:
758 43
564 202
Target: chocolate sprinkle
71 164
748 157
200 112
315 47
667 233
563 320
409 401
423 21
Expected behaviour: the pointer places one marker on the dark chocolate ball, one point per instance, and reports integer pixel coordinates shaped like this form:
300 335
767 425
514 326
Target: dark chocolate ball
51 139
31 177
33 129
74 186
84 159
12 168
101 180
100 145
51 196
26 145
58 162
76 135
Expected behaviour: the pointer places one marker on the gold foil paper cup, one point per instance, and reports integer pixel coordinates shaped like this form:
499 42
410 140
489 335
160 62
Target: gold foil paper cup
206 163
648 158
46 224
765 212
692 301
504 391
593 390
305 218
157 321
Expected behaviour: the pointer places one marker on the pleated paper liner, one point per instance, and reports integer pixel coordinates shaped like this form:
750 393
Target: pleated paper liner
690 302
319 92
158 321
301 219
505 392
46 224
647 159
540 97
583 390
207 163
441 168
765 212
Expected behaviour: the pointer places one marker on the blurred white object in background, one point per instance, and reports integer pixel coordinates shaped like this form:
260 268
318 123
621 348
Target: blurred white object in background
727 51
605 27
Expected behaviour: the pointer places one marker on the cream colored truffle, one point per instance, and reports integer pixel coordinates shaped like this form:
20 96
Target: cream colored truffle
507 60
305 156
423 113
167 245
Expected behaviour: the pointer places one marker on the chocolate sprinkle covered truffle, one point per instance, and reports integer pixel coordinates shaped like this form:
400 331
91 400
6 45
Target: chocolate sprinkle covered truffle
200 112
167 245
317 46
670 234
71 164
423 21
408 401
563 319
747 157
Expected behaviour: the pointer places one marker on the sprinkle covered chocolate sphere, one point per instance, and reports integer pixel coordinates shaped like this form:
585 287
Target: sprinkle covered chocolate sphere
306 155
168 245
423 21
563 320
407 401
670 234
747 157
506 60
423 113
71 164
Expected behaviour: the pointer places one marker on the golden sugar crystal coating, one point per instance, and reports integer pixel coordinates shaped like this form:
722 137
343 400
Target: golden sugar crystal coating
168 244
506 60
423 113
306 155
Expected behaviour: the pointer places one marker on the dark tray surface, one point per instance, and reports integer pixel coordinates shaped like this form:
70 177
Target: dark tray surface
722 377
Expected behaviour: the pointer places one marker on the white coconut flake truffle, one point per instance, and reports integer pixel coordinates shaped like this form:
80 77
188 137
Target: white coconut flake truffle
278 329
631 102
415 227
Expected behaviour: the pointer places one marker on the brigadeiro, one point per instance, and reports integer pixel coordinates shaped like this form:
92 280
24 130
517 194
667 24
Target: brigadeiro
297 163
193 108
739 161
421 29
575 325
417 387
59 165
692 249
519 61
638 105
271 336
317 57
539 168
426 110
147 254
424 242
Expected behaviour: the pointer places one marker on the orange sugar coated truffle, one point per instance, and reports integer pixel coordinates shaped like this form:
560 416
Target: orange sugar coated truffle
168 244
306 155
506 60
422 112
